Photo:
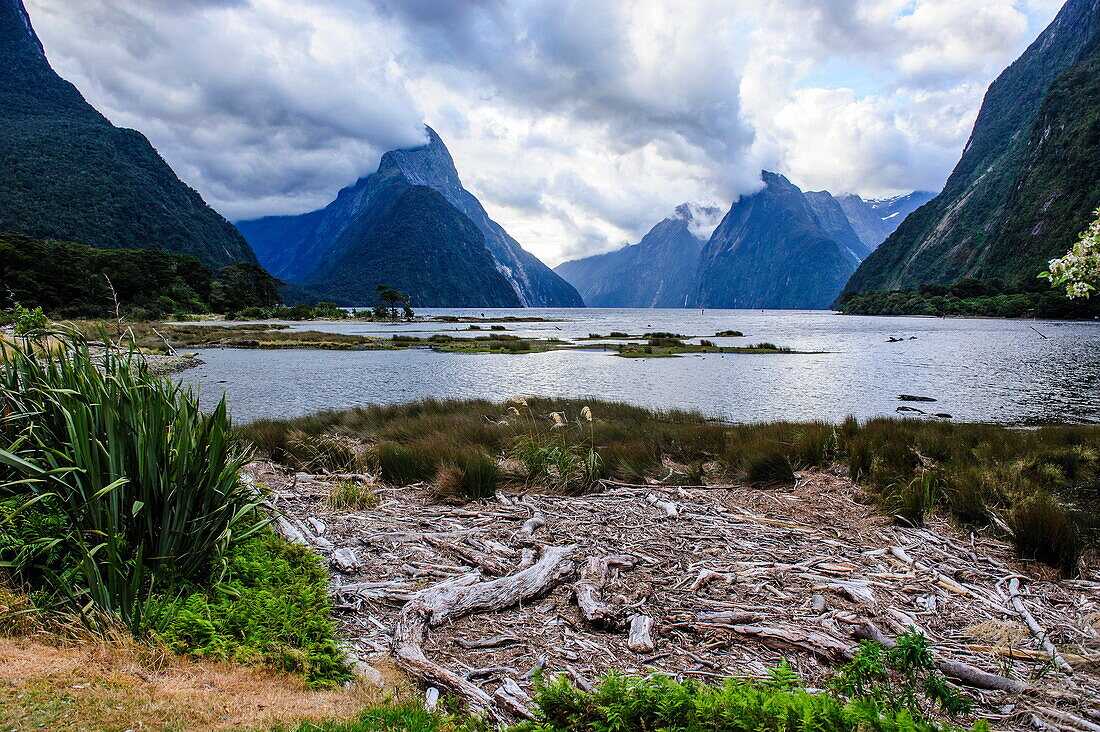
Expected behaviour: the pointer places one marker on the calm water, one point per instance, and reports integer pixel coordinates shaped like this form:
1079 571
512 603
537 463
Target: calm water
978 370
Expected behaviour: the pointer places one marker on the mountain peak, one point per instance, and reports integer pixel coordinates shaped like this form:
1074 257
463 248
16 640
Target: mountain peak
17 24
429 164
700 218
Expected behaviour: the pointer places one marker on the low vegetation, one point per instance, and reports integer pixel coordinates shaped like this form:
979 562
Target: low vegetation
972 298
122 503
1040 487
880 689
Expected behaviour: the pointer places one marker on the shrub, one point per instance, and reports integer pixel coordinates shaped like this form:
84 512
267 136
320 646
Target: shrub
142 481
768 467
401 465
914 499
29 322
470 475
628 704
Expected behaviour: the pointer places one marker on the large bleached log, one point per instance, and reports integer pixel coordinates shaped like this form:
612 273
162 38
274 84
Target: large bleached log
461 596
641 634
1034 627
727 617
968 675
594 576
822 645
670 509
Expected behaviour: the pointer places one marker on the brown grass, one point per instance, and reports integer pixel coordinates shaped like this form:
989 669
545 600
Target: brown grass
99 686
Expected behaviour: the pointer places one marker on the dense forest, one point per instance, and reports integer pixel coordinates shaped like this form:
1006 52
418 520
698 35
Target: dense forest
76 280
971 297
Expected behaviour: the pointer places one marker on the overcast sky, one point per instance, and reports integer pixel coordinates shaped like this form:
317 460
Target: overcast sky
578 123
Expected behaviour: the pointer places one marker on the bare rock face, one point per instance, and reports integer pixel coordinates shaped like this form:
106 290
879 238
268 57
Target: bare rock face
773 251
657 272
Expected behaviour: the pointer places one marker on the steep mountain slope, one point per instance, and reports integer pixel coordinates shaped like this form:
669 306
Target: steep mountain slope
874 220
1033 123
772 251
657 272
413 239
292 247
836 224
67 173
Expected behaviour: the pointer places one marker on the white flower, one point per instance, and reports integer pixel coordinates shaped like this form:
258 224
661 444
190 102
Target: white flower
1079 270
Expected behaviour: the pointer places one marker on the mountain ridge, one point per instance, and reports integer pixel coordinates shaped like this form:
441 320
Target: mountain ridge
658 272
68 174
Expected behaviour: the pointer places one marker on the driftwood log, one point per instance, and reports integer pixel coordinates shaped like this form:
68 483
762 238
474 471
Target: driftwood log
641 634
1034 627
588 590
462 596
822 645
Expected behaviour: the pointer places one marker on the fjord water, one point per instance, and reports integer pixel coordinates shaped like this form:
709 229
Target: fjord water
1006 371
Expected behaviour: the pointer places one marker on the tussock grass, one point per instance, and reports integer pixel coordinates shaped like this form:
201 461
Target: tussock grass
1044 484
351 494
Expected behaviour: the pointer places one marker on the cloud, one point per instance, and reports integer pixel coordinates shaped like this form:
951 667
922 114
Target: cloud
579 123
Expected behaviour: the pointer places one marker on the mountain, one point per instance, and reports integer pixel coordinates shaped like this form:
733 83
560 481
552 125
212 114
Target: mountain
773 251
779 248
874 220
67 173
657 272
1028 178
836 224
301 249
413 239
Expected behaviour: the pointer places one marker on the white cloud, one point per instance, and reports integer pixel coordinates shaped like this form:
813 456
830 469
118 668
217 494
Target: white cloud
580 123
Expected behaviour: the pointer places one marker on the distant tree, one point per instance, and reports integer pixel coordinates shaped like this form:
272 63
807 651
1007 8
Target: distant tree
1079 270
391 298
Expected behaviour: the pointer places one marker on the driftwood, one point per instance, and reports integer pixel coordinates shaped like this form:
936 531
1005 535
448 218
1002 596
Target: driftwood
486 562
1071 719
670 509
791 559
495 642
594 576
641 634
345 559
531 525
822 645
461 596
1034 627
952 669
705 577
727 617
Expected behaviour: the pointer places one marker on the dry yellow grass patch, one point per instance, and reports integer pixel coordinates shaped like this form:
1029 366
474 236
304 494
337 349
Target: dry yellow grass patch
90 686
